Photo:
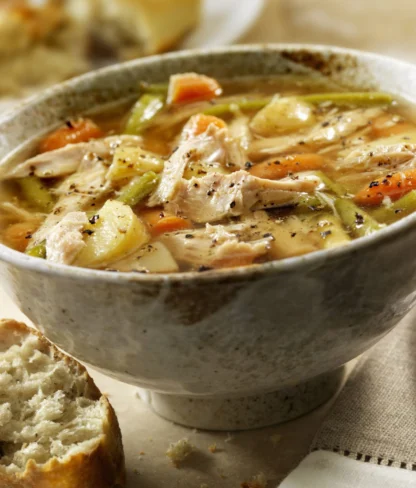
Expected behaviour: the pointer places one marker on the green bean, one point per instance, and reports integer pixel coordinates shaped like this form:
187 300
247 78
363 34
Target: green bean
154 88
349 98
336 188
35 193
145 109
138 189
308 202
405 206
38 251
357 220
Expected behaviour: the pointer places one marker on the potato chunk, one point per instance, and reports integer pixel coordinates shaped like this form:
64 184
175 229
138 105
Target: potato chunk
153 258
115 232
133 161
283 115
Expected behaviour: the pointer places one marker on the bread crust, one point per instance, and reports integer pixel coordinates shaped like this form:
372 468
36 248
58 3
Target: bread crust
101 467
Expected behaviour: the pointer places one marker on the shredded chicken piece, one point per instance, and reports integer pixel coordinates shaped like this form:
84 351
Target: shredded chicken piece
216 196
65 239
15 212
66 160
239 130
76 193
214 146
370 156
331 130
218 245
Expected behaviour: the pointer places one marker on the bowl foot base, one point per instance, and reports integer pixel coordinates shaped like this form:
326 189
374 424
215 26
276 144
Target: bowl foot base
243 413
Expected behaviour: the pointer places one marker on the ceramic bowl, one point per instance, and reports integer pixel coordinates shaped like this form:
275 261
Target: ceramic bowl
223 349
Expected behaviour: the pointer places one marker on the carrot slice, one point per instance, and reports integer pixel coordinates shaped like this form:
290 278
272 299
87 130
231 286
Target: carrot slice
170 223
393 185
152 215
81 130
18 235
192 87
279 168
199 123
160 222
381 127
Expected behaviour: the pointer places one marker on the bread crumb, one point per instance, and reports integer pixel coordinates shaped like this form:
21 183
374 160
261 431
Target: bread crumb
275 439
258 481
142 453
179 451
212 448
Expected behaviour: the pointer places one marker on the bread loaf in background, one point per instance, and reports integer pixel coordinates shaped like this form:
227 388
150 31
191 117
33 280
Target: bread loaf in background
46 41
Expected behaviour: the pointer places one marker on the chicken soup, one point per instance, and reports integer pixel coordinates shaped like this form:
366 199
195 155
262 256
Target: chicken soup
202 174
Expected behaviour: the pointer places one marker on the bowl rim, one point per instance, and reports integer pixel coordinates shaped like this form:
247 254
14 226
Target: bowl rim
313 259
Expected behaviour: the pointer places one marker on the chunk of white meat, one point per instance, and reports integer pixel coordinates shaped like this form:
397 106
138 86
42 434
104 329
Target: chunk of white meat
238 141
239 131
213 147
66 160
330 130
217 246
173 172
390 151
76 193
65 239
216 196
13 212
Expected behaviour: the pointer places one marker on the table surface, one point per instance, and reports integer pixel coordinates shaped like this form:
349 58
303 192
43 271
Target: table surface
277 450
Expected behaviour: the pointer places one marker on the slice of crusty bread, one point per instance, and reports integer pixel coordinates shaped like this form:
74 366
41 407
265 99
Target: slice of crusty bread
56 429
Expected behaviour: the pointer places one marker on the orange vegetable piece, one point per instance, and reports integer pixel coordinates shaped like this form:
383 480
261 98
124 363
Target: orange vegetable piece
74 131
192 87
152 215
161 222
199 123
281 167
171 223
18 235
381 127
393 185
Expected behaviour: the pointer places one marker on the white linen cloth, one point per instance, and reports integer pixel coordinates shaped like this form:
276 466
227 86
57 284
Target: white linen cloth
322 469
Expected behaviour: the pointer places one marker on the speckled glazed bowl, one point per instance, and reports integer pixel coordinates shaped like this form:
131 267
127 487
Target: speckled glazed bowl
221 349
